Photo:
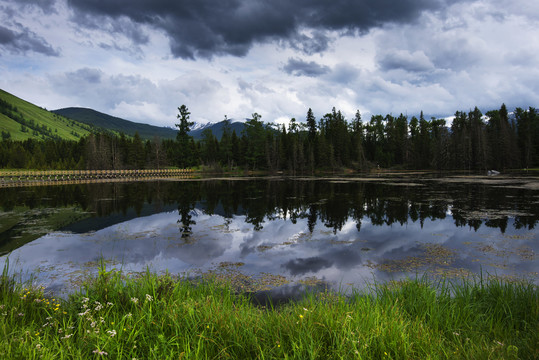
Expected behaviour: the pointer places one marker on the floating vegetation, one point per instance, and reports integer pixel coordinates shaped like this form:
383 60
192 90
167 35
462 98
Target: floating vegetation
519 236
524 252
228 264
434 255
492 214
340 242
223 228
311 281
264 247
230 275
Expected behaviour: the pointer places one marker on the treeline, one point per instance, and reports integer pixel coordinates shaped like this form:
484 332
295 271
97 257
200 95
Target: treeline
473 141
103 151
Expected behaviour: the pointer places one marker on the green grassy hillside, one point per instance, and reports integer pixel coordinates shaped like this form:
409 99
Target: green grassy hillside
95 118
21 120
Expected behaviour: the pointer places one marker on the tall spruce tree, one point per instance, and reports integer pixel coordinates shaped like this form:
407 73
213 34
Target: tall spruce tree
184 155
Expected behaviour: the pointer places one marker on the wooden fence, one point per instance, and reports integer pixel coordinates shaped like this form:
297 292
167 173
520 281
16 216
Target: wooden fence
49 177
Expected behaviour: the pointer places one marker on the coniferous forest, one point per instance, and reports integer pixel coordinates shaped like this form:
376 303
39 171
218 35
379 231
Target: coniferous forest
473 141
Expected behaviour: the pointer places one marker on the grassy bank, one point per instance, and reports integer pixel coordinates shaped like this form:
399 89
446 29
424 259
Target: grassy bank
158 317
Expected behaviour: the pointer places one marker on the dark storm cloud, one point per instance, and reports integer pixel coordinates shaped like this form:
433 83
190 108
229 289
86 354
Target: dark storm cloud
298 67
23 40
205 28
46 6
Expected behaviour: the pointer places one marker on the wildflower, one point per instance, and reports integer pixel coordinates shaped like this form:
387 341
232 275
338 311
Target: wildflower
21 314
37 333
100 352
112 333
2 306
67 336
38 346
98 307
301 316
85 300
110 304
149 297
134 300
84 313
92 324
128 315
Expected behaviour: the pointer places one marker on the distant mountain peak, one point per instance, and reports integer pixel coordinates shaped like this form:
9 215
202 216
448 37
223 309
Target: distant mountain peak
201 126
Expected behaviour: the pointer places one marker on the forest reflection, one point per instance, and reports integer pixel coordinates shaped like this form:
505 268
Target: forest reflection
332 203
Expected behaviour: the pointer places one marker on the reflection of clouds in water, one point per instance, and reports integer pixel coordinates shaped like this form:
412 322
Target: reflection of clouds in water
280 247
301 266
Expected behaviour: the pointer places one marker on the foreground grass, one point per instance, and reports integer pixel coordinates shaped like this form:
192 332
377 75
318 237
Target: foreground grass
158 317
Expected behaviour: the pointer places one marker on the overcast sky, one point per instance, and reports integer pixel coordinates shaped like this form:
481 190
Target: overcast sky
141 59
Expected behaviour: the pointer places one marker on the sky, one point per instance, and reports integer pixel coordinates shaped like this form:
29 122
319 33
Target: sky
140 60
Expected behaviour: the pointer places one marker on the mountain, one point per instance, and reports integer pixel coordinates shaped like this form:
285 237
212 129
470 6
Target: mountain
21 120
95 118
216 129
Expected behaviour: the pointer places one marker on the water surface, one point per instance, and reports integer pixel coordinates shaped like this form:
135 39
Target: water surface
280 233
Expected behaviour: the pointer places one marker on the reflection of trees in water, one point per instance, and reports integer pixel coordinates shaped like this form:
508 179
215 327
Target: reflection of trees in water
332 204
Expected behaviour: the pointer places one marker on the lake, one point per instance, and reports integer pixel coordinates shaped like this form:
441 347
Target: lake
275 235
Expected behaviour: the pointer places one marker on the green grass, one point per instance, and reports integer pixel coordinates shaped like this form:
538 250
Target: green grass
160 317
58 125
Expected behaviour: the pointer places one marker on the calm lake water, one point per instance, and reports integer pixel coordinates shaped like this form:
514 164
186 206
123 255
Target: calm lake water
283 234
